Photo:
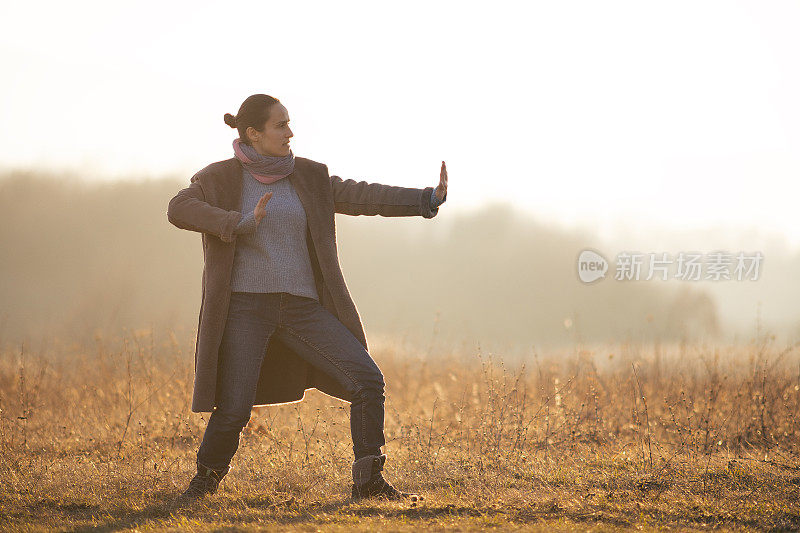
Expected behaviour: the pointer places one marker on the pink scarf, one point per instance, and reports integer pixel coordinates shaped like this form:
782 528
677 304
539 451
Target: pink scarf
264 168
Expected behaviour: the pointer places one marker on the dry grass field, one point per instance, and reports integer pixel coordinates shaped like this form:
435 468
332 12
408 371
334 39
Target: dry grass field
99 435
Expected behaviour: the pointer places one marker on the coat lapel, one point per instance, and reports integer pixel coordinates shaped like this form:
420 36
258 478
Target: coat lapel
301 187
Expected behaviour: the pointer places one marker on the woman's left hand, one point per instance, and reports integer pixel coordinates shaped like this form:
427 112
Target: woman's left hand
441 189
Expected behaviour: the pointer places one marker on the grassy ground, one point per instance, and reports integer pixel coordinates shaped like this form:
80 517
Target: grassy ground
99 435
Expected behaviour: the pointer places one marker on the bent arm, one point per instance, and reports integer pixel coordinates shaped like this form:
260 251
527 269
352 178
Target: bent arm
189 210
352 197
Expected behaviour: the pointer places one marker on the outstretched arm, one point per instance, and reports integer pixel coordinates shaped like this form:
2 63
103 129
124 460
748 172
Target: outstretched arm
361 198
189 210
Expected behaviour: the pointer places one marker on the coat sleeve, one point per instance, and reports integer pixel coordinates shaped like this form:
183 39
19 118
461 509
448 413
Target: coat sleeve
189 210
352 197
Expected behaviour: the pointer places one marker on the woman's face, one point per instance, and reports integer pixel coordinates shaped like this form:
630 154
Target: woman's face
274 140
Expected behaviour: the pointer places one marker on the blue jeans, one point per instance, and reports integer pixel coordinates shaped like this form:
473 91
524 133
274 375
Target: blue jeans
314 334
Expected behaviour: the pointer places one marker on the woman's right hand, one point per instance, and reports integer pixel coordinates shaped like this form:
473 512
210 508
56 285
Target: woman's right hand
260 210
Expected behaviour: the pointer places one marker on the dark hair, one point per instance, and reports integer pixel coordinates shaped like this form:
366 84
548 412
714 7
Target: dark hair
254 112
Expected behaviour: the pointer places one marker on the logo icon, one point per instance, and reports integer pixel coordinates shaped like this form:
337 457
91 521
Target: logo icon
591 266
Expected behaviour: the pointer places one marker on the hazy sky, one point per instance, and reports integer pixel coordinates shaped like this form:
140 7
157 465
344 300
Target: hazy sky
624 116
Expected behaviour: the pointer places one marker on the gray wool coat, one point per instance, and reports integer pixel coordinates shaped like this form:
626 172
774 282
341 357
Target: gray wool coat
211 204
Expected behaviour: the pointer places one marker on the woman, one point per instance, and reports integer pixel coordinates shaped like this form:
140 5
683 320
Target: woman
276 316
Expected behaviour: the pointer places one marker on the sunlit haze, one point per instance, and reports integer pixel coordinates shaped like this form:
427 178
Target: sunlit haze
599 326
619 116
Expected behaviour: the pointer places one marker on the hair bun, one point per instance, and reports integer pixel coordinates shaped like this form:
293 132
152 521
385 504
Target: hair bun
230 120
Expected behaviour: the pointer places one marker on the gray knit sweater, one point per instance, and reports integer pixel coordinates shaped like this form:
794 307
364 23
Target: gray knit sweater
271 256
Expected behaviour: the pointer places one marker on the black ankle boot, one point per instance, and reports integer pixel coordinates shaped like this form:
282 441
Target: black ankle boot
206 481
368 481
